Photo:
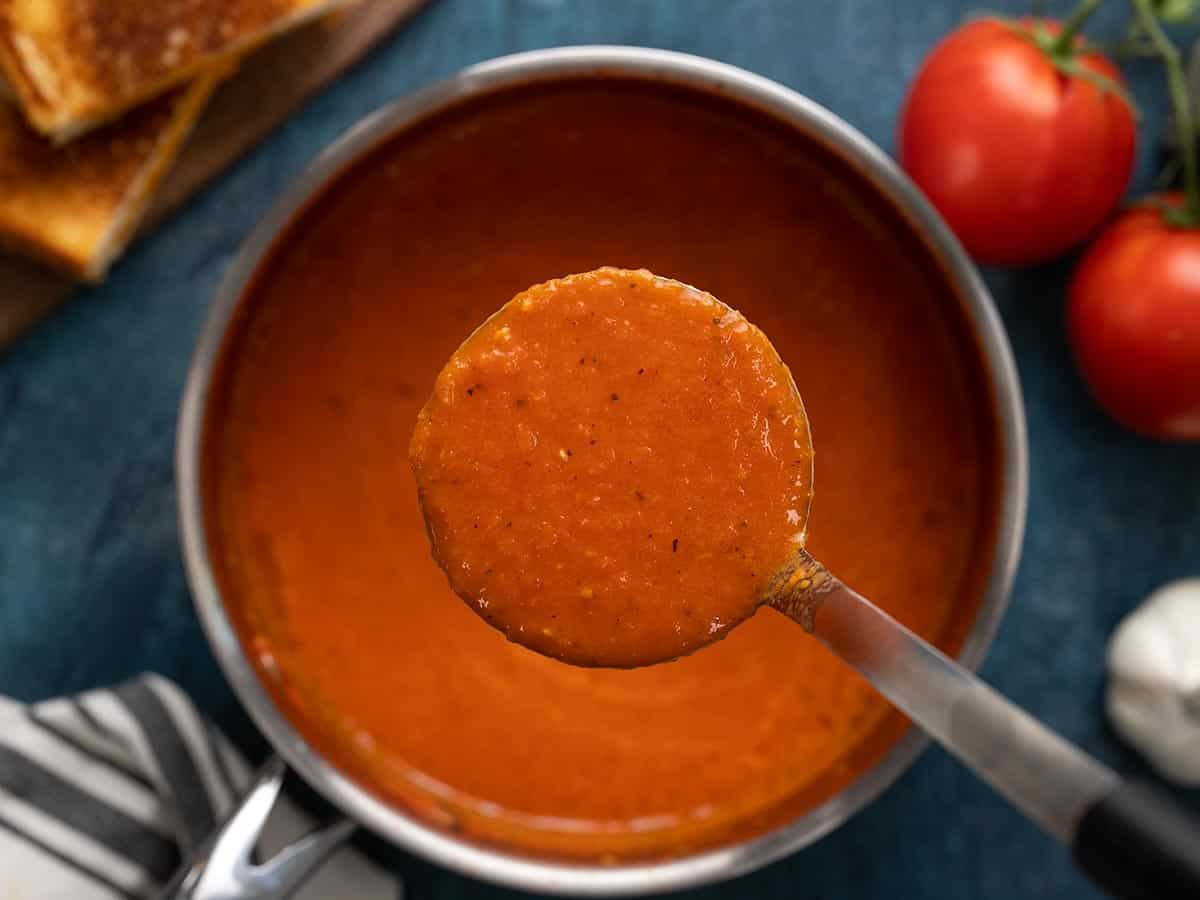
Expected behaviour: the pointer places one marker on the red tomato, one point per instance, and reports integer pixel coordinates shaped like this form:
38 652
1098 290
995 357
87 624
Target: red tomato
1133 317
1021 159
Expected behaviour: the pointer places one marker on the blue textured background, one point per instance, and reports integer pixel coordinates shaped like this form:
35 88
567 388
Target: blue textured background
91 584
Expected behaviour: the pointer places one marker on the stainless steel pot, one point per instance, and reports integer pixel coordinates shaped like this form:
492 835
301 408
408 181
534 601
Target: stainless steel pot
393 823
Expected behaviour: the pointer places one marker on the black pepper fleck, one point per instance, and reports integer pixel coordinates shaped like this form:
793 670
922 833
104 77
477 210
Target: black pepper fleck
615 398
675 545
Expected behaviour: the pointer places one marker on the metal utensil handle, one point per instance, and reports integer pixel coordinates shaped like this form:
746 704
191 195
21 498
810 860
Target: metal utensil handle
1136 843
1047 778
223 869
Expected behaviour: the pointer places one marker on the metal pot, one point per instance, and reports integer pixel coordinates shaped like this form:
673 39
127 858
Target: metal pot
394 824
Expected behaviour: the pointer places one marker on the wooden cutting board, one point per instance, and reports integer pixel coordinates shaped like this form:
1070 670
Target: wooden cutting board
269 86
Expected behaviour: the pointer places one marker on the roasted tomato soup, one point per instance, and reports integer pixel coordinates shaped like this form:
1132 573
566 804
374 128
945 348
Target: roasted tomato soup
312 514
613 468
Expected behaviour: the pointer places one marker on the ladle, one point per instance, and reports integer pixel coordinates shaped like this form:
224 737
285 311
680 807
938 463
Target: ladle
1131 839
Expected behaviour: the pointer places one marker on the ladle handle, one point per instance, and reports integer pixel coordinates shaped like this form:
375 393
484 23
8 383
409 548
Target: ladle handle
1140 844
1135 843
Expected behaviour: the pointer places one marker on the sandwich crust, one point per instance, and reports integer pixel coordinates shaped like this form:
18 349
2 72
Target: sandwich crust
76 206
74 65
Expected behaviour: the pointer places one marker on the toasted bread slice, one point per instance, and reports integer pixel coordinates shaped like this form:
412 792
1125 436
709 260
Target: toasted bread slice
77 206
76 64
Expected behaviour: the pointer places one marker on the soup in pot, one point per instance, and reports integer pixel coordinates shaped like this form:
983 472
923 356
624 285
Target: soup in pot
311 509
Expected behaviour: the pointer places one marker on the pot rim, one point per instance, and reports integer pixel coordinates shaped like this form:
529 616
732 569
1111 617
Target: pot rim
411 834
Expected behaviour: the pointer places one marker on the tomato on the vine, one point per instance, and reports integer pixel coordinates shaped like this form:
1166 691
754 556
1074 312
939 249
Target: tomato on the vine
1133 318
1021 137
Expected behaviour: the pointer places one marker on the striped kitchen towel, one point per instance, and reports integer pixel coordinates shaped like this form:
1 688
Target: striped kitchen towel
103 794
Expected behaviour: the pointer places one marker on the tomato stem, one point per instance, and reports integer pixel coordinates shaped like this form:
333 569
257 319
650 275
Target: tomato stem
1181 109
1064 39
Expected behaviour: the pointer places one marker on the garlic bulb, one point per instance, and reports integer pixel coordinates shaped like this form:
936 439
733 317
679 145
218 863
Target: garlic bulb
1153 697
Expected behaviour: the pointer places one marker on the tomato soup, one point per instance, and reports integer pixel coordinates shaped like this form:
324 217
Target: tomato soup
613 467
312 512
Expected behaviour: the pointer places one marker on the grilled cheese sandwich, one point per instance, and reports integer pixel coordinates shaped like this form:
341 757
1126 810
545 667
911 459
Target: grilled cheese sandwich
76 206
74 65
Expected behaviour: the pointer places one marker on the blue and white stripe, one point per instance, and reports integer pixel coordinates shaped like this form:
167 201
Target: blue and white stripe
103 796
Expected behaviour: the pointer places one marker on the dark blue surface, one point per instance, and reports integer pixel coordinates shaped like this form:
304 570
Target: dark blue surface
91 584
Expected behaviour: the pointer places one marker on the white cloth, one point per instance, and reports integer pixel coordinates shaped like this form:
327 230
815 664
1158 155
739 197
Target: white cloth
104 794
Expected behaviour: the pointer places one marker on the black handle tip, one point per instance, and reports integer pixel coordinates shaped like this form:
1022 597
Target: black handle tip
1139 844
